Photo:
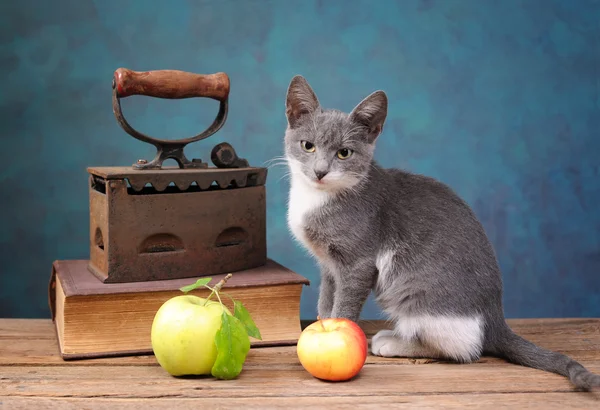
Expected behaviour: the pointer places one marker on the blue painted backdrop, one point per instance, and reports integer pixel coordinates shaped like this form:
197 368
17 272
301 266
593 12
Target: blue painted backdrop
498 99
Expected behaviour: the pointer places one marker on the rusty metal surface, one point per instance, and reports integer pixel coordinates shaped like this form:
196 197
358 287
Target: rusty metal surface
184 178
151 235
224 156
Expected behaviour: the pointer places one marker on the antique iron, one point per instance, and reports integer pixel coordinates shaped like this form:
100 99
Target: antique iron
150 222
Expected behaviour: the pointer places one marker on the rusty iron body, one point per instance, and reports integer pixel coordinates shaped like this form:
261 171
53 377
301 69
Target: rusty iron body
192 227
149 222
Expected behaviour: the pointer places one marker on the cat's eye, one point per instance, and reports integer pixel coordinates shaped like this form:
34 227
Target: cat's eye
344 153
308 146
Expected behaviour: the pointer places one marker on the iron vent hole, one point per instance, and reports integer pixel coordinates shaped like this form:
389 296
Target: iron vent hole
98 184
231 237
99 238
162 242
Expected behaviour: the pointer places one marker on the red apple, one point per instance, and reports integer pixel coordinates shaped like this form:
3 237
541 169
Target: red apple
332 349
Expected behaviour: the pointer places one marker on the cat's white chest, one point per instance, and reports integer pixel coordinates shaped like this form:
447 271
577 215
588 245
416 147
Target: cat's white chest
303 200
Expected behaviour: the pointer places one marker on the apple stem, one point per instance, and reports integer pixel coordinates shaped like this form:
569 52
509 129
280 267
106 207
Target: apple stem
219 297
218 287
222 282
321 322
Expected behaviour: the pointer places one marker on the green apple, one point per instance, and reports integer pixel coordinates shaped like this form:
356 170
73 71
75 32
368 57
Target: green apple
183 335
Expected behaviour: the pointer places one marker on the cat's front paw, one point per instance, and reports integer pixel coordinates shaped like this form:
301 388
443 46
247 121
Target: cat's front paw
385 344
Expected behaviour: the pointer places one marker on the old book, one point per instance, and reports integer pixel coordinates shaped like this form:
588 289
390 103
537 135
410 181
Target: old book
94 319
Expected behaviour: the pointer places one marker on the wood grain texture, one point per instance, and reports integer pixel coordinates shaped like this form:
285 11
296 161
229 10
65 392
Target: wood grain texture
172 84
561 401
33 375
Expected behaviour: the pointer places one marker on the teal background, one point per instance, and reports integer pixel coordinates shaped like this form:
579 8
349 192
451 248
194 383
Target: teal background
498 99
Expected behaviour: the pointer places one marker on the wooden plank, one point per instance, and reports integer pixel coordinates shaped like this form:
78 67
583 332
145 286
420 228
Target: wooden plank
542 328
33 375
28 354
33 342
570 400
276 380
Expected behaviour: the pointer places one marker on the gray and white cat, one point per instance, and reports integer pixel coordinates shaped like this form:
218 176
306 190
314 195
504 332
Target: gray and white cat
408 238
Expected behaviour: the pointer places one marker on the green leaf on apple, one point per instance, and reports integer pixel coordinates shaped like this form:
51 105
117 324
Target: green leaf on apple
240 312
199 283
233 346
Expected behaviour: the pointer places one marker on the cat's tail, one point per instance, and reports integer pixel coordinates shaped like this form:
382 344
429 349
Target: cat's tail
517 350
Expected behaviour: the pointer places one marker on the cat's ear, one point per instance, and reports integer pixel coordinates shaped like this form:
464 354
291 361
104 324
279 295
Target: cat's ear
371 113
300 101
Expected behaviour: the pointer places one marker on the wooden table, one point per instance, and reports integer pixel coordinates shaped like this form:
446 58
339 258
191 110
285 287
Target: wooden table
32 376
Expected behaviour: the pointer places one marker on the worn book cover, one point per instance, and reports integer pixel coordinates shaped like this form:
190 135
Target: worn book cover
95 319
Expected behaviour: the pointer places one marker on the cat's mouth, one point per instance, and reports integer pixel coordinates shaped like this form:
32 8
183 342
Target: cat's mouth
315 182
321 183
333 181
324 183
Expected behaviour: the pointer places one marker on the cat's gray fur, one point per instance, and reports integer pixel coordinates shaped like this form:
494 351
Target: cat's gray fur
408 238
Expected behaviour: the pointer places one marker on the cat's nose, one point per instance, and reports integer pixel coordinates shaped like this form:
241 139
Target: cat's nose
320 174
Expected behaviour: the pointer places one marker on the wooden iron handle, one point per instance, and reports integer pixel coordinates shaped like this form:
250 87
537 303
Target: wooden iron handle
171 84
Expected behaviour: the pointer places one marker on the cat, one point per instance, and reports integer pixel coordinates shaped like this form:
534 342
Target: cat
408 238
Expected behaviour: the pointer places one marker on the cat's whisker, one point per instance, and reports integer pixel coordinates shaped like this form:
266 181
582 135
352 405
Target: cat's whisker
372 166
285 175
275 159
278 164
